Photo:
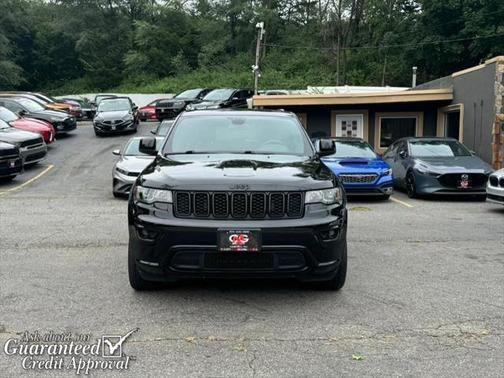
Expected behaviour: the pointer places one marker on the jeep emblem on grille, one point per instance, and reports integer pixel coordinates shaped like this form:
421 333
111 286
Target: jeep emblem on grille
239 187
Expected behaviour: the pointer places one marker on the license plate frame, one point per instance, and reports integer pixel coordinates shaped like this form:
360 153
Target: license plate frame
239 240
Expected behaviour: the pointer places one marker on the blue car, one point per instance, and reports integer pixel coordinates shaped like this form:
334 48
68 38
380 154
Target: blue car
360 169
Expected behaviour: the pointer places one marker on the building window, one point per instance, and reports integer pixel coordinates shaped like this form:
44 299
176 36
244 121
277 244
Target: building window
394 128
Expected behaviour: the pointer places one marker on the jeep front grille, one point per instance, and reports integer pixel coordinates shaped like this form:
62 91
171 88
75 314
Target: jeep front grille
238 205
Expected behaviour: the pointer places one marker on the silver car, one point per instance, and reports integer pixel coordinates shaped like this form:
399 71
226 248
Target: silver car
495 187
130 164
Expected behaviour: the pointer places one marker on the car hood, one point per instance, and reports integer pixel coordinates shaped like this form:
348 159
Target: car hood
134 164
107 116
237 172
355 165
31 124
454 164
55 115
12 135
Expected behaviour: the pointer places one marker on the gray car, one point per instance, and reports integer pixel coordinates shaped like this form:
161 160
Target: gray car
437 166
163 128
130 164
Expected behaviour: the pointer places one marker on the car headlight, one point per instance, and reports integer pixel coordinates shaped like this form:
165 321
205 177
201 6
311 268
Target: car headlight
150 195
325 196
123 171
387 172
190 107
426 171
178 104
128 117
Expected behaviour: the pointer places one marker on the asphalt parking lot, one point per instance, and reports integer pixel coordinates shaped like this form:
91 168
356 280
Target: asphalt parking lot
424 292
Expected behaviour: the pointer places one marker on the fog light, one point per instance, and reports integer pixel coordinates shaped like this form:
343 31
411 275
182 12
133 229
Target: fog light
388 190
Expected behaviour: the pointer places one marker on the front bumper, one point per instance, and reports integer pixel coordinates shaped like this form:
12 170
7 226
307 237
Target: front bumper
32 155
10 166
495 194
65 126
384 186
121 183
430 185
169 249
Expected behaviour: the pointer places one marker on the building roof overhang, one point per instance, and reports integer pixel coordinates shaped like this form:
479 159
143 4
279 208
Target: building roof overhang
354 98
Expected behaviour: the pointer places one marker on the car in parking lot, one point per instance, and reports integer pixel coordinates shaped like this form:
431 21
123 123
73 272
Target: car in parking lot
32 147
24 107
10 161
115 115
88 110
495 187
237 195
223 98
130 164
98 98
163 128
45 129
171 108
359 168
148 112
437 166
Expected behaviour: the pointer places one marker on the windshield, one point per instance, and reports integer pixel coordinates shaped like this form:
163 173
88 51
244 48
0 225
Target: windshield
4 125
261 134
6 115
133 148
164 128
353 149
31 105
114 105
191 93
438 148
218 95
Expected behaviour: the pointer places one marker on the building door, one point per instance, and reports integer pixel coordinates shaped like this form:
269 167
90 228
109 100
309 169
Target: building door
452 126
350 125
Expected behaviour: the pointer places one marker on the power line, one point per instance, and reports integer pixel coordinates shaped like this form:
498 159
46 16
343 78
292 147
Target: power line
384 46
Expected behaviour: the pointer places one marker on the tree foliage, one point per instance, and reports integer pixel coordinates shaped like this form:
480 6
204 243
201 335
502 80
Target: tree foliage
79 45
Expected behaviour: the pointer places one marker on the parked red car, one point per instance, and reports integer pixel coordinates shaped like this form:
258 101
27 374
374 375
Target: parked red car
45 129
148 112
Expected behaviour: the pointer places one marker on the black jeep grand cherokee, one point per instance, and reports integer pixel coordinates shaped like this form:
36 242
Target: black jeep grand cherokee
237 194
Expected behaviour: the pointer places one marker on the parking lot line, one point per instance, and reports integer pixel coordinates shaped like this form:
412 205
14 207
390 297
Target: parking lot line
29 181
405 204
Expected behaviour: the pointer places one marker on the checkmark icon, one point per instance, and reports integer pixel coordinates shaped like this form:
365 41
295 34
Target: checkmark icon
114 344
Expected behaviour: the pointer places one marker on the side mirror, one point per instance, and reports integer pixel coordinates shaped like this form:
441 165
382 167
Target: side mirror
403 154
148 146
326 147
116 152
134 108
22 112
153 132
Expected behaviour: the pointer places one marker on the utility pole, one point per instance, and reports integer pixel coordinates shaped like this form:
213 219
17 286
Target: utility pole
255 67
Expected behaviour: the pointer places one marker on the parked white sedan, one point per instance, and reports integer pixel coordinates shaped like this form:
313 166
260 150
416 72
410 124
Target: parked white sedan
495 187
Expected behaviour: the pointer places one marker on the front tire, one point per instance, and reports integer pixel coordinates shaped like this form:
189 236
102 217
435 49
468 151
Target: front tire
136 281
338 281
411 185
